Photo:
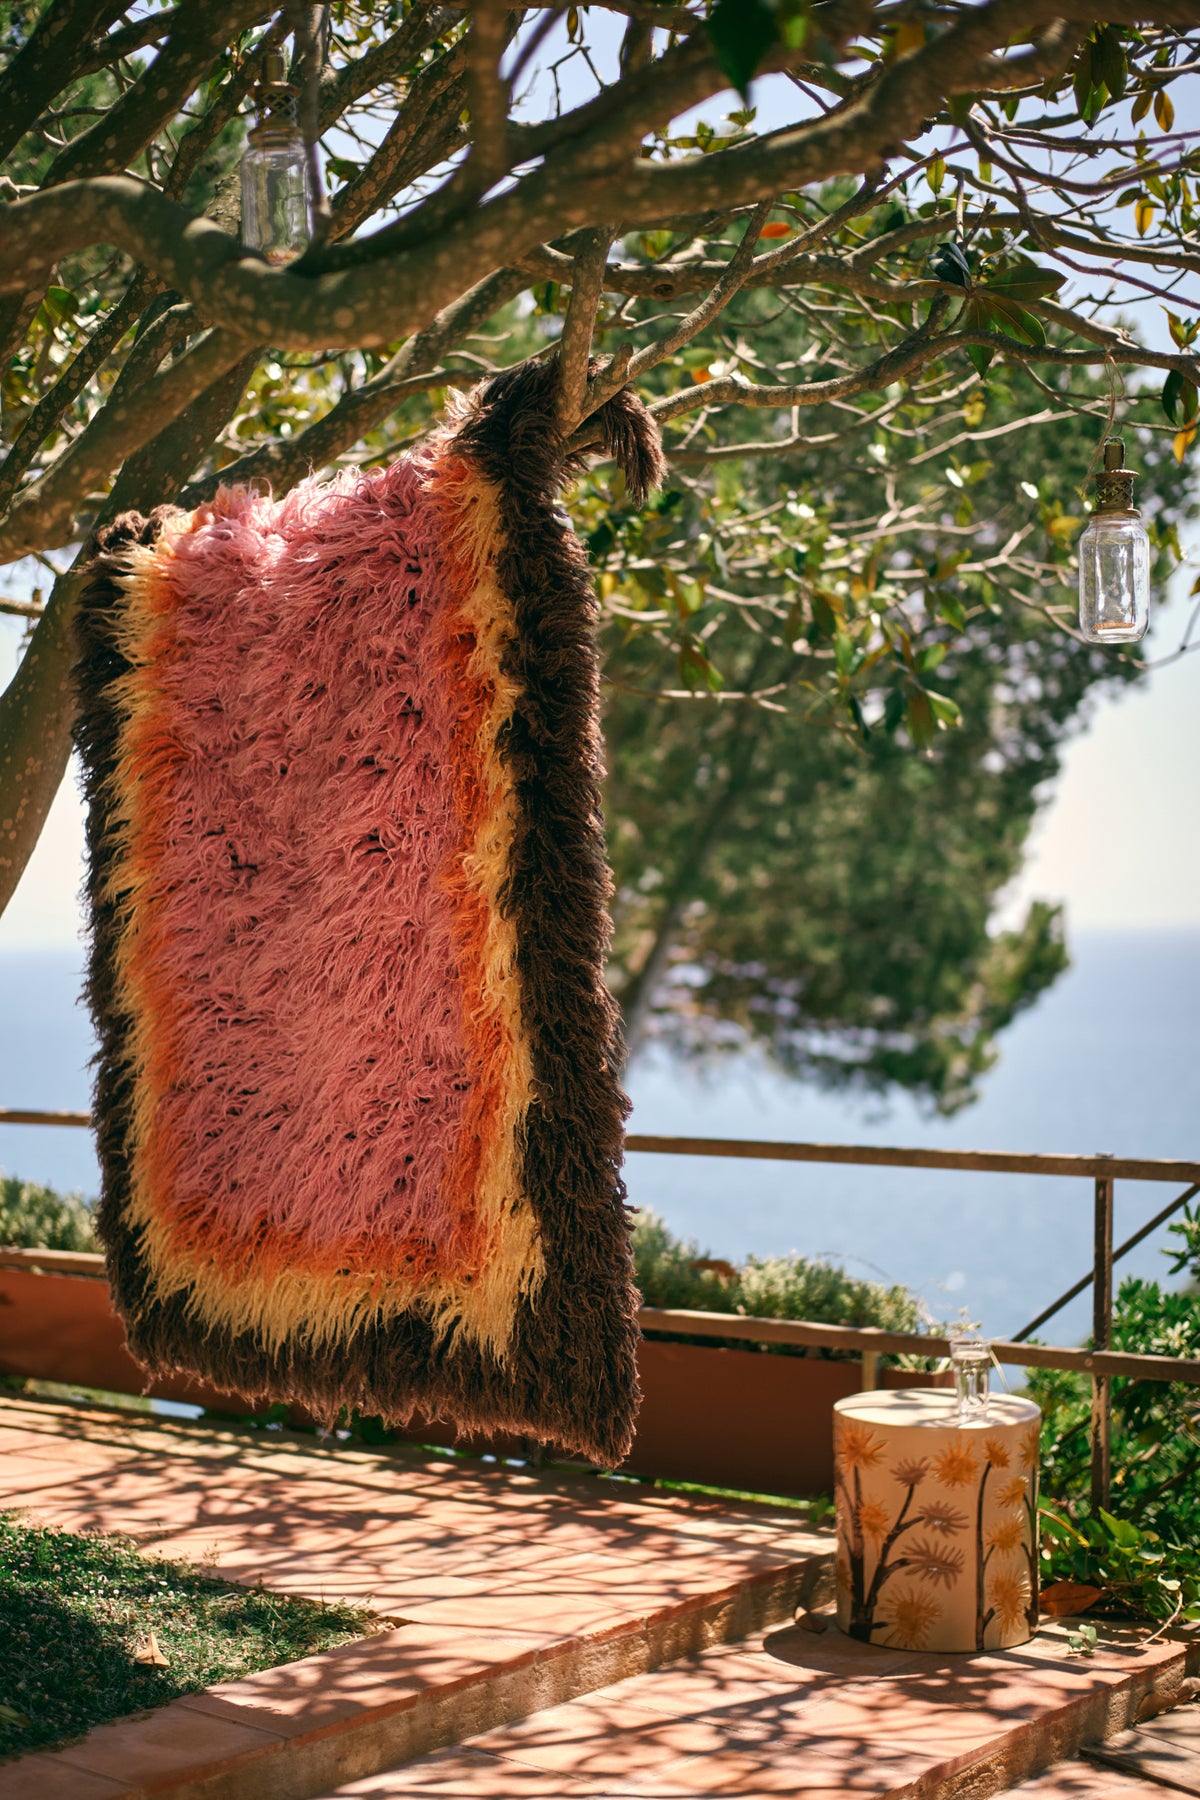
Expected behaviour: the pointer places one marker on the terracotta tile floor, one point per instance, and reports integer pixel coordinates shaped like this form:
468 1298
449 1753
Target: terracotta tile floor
414 1536
798 1714
1085 1781
491 1570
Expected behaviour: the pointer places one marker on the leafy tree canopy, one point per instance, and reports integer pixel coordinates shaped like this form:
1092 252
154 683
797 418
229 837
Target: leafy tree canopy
881 339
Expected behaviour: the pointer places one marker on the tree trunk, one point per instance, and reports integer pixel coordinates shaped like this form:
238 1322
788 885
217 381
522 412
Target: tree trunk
35 733
37 707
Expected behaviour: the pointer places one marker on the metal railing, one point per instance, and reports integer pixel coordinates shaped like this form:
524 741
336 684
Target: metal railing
1101 1363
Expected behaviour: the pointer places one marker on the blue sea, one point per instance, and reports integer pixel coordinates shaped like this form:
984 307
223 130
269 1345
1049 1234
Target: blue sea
1106 1061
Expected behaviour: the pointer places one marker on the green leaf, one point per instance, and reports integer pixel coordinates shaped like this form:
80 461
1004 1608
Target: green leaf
1179 398
980 357
795 28
1181 332
823 616
857 714
1011 318
1025 281
1082 83
1122 1532
741 33
1108 58
929 659
1093 104
58 304
696 670
945 710
949 264
935 174
921 723
951 608
893 711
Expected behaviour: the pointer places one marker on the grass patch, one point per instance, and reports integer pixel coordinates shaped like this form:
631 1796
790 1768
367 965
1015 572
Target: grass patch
74 1610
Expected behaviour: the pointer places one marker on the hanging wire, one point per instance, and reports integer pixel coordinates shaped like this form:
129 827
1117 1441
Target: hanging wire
310 35
1115 377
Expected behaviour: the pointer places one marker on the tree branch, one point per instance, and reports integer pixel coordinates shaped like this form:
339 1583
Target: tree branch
224 107
125 41
139 115
44 514
424 132
55 51
51 408
386 62
575 344
487 94
894 366
413 369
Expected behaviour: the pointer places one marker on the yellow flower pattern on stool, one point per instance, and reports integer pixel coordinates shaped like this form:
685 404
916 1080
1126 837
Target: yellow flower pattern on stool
856 1448
956 1466
1009 1595
936 1522
873 1519
1007 1535
912 1615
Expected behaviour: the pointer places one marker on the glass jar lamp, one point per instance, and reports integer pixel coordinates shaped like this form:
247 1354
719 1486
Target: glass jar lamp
971 1361
276 204
1114 559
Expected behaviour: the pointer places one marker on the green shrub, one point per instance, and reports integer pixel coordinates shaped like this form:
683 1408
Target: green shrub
675 1272
33 1217
1153 1530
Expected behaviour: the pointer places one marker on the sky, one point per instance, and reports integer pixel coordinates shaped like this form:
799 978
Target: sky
1117 840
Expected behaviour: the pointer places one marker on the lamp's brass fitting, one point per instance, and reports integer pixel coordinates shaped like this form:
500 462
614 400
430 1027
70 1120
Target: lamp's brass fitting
275 97
1114 484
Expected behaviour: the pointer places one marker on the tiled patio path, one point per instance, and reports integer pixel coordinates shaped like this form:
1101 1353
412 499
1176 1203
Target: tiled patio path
1082 1781
545 1635
801 1715
440 1540
506 1589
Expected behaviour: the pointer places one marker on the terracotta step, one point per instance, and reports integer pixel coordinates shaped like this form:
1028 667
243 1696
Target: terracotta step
820 1716
508 1590
553 1635
1084 1781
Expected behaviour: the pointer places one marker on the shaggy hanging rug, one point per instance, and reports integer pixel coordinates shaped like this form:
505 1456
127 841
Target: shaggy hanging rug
358 1110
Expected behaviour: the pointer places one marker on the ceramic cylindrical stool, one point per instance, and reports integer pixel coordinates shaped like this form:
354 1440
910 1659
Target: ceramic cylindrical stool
936 1520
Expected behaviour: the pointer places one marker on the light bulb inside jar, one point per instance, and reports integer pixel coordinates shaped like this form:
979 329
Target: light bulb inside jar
1114 559
276 204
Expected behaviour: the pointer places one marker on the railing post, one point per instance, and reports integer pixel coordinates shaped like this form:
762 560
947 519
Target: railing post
1102 1296
870 1370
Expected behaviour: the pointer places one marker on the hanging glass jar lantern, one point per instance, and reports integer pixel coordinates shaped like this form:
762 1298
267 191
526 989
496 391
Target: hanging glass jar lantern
1114 558
276 204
